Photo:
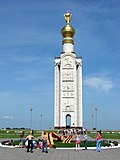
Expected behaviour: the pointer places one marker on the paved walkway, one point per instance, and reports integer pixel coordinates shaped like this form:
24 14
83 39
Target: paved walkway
54 154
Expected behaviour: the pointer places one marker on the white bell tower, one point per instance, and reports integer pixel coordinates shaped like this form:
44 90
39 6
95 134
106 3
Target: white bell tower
68 82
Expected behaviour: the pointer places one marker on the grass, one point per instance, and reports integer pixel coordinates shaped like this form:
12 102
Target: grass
16 134
106 135
73 144
59 144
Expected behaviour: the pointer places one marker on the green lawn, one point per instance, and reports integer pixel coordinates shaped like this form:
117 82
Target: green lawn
59 144
106 135
73 144
10 134
16 133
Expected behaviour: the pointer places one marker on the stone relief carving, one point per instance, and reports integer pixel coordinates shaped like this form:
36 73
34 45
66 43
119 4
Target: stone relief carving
68 94
68 62
68 76
68 105
68 87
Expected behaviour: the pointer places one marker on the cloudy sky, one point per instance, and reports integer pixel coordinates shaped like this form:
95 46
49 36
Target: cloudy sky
30 38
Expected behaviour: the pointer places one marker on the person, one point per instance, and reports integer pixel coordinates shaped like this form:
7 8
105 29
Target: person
40 144
85 140
77 137
44 140
30 137
21 139
98 141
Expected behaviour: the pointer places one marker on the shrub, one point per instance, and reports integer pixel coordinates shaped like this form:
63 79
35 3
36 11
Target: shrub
115 143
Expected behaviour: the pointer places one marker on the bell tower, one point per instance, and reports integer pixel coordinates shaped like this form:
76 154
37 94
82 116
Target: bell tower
68 82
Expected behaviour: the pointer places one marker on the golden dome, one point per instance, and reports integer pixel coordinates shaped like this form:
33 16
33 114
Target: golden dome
67 31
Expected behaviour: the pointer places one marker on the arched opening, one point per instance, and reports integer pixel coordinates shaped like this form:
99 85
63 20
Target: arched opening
68 121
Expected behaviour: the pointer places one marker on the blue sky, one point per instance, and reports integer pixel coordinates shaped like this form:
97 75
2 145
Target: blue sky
30 38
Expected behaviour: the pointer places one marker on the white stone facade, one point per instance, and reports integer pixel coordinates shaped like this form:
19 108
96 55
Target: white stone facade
68 82
68 89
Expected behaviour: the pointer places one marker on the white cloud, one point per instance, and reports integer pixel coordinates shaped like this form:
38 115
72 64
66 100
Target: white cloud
7 117
99 82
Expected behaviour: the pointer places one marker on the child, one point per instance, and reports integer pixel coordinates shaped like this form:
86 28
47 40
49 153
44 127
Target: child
40 144
77 141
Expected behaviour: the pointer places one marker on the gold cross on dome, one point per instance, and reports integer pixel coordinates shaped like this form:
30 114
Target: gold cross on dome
67 17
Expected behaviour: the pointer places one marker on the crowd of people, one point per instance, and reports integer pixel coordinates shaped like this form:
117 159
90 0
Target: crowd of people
29 142
43 142
85 139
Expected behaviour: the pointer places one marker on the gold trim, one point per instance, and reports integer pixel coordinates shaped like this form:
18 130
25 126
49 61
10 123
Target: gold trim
67 17
67 40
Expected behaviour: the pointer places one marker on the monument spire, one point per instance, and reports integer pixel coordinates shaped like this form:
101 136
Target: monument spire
68 82
68 32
